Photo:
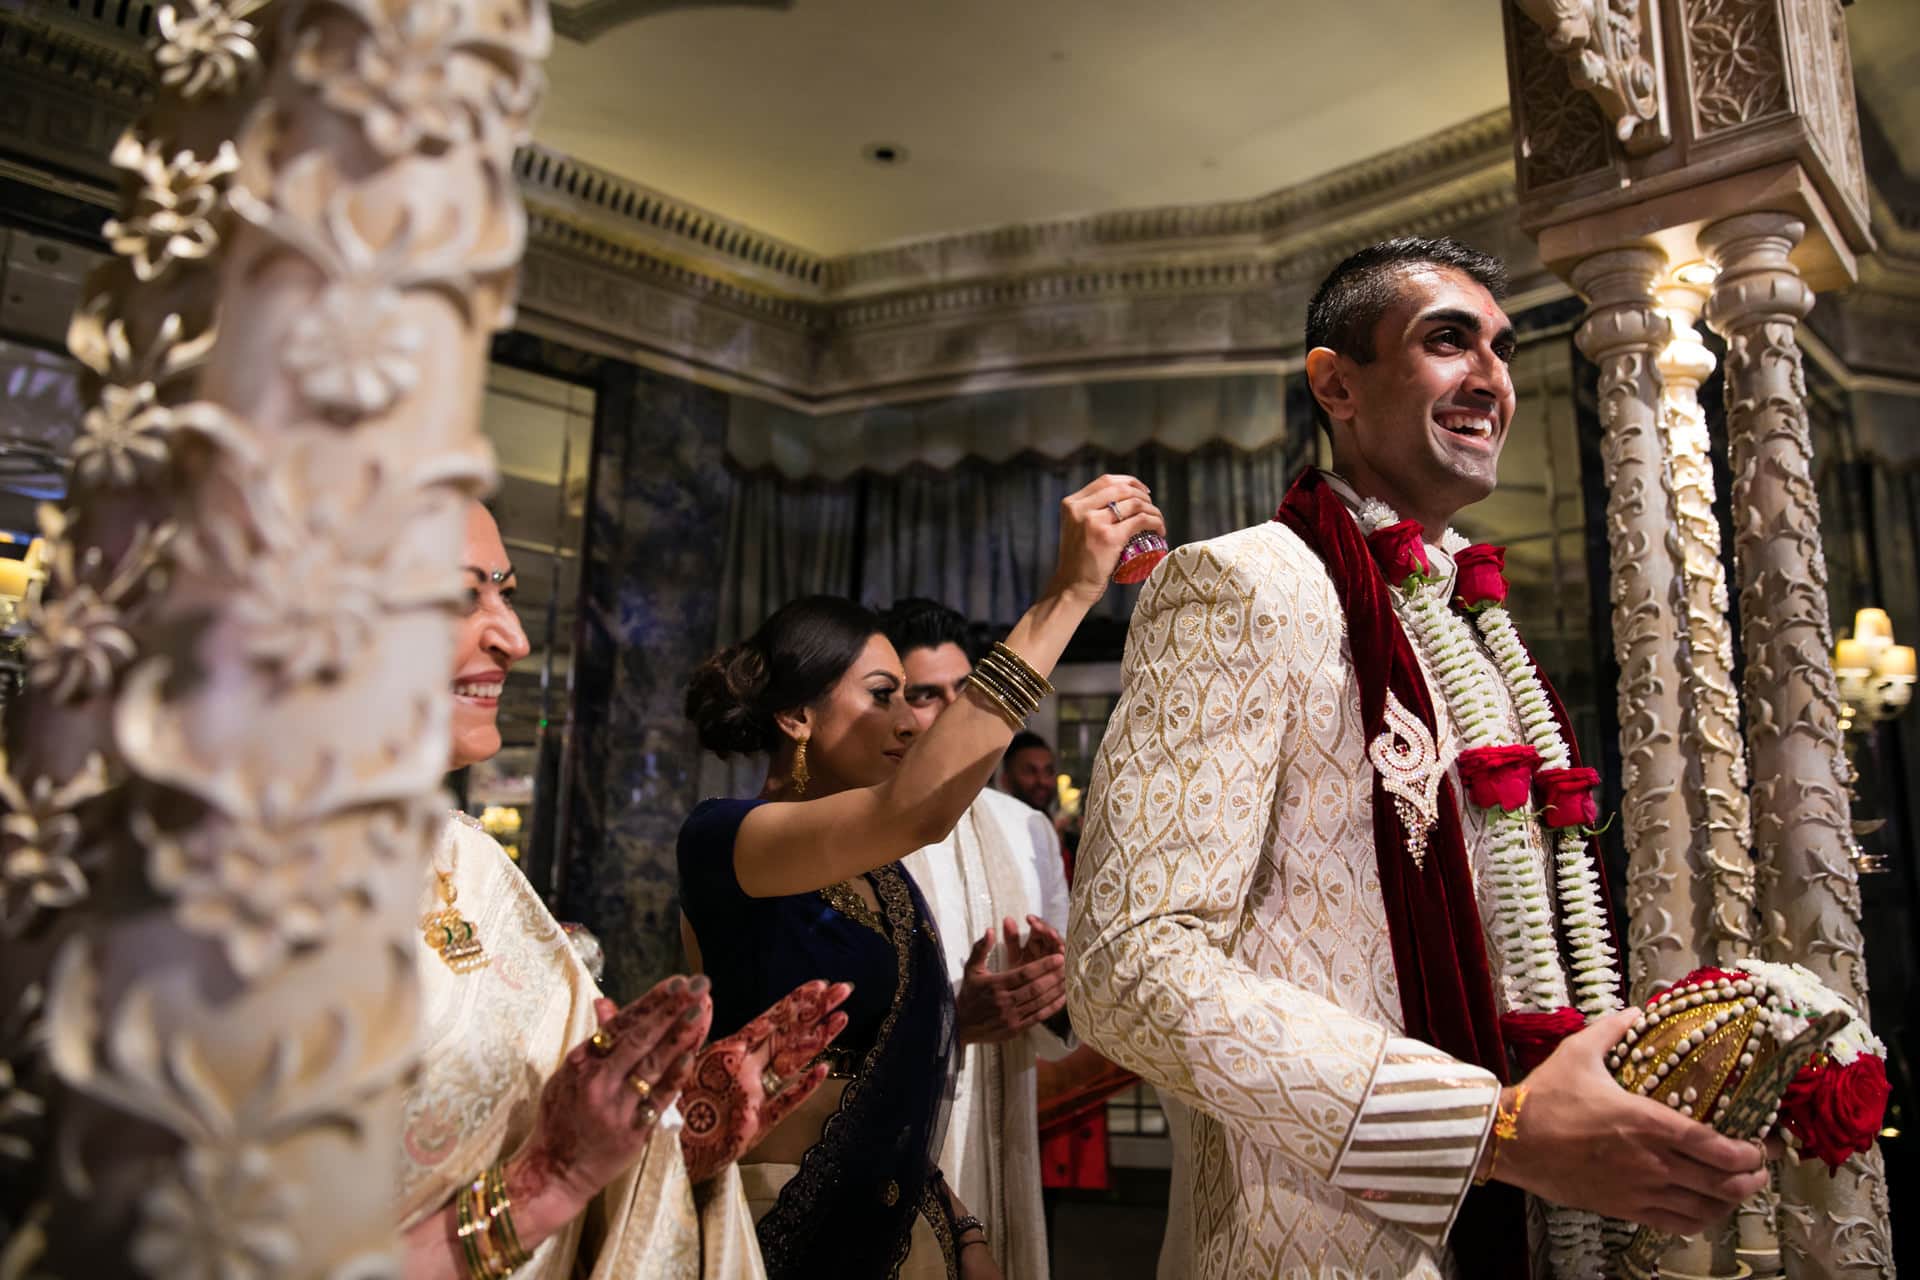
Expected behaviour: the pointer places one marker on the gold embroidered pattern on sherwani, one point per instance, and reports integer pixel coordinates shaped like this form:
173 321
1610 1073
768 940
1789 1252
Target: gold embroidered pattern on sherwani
491 1039
1228 938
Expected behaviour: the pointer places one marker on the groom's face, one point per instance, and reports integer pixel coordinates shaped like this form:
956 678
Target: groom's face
1431 410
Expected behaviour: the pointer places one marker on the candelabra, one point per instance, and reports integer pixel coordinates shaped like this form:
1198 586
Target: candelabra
1876 678
20 585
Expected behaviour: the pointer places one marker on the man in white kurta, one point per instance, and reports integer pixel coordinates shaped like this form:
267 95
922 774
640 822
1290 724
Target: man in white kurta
1001 862
1229 937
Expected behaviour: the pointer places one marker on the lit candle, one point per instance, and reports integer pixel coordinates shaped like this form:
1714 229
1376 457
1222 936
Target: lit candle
13 578
1850 657
1872 624
1896 663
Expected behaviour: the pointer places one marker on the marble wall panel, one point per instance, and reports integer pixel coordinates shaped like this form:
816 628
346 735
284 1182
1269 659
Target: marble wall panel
656 517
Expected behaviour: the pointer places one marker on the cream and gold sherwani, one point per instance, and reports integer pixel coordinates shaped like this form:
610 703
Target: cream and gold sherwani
1229 942
491 1038
1002 859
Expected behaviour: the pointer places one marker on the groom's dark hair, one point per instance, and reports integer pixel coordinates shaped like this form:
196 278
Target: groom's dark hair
1350 301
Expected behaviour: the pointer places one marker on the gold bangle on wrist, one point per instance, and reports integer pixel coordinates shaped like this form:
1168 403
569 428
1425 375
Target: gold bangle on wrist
1009 692
500 1217
1011 683
1506 1127
1014 719
483 1214
465 1217
1040 683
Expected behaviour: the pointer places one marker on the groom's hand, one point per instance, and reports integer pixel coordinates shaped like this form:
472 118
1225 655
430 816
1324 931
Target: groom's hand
1585 1142
991 1007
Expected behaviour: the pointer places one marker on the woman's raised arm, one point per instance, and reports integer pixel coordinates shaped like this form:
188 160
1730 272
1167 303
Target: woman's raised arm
799 846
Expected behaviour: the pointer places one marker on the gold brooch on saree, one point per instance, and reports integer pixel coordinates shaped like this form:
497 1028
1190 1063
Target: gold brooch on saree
447 931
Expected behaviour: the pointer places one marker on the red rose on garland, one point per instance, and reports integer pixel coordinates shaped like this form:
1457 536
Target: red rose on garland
1482 580
1532 1037
1499 777
1836 1111
1401 552
1566 797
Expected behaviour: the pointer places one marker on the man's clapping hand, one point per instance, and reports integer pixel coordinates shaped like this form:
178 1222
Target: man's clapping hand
993 1006
1586 1143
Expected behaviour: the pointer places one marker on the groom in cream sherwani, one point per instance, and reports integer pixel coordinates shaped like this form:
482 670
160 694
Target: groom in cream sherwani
1255 933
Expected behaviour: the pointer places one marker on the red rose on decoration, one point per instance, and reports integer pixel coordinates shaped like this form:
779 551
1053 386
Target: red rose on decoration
1401 551
1483 577
1566 796
1532 1037
1836 1111
1499 777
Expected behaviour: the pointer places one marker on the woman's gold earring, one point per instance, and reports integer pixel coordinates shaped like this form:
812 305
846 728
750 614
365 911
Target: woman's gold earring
800 776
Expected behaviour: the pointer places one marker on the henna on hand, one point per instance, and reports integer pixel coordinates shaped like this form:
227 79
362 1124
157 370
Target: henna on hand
725 1108
584 1131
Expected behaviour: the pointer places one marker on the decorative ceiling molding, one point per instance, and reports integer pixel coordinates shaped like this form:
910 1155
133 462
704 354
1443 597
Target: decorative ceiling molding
1215 285
586 20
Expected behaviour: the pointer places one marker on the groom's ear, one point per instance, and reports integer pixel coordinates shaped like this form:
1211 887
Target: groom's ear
1329 376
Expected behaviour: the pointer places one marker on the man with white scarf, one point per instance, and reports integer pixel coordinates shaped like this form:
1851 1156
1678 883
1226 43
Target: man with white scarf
998 893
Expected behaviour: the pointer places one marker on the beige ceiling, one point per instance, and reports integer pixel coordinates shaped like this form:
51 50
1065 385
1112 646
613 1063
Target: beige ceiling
1011 110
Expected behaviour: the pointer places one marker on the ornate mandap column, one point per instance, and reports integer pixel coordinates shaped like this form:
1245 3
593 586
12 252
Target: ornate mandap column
1809 896
1624 334
225 778
1687 130
1716 753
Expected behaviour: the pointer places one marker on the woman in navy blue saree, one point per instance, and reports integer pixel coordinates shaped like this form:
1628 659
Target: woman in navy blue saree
803 882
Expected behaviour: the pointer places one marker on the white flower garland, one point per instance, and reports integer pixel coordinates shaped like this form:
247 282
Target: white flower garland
1805 997
1532 975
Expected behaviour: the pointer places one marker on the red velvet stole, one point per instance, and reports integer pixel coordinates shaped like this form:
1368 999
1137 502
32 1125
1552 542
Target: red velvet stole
1433 919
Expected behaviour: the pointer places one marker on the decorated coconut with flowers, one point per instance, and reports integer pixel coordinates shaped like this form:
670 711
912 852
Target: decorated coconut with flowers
1754 1050
1697 1043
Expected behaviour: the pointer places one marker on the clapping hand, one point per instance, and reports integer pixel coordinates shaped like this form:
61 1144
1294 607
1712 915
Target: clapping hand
745 1085
995 1006
598 1110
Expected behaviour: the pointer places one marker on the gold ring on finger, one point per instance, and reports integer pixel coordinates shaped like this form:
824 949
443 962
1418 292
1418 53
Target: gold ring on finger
771 1082
644 1116
640 1086
601 1044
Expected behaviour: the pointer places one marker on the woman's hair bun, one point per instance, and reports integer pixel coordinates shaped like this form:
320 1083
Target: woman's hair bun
724 701
793 660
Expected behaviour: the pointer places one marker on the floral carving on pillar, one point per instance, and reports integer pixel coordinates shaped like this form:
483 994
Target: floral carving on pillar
1624 333
1809 897
224 792
1715 749
1611 49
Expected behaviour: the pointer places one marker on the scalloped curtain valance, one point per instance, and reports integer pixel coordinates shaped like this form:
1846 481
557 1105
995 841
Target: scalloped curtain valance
1180 414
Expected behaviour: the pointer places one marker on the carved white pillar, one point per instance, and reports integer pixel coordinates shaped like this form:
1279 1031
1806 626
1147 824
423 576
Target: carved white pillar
1624 333
1808 895
239 686
1716 753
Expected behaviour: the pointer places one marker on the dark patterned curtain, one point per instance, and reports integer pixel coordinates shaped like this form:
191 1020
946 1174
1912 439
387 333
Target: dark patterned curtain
979 536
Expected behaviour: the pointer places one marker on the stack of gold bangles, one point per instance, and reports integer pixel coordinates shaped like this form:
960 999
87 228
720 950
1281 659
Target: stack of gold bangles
487 1237
1011 683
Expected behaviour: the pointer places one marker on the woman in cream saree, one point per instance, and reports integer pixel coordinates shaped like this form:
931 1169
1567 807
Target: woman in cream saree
527 1069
